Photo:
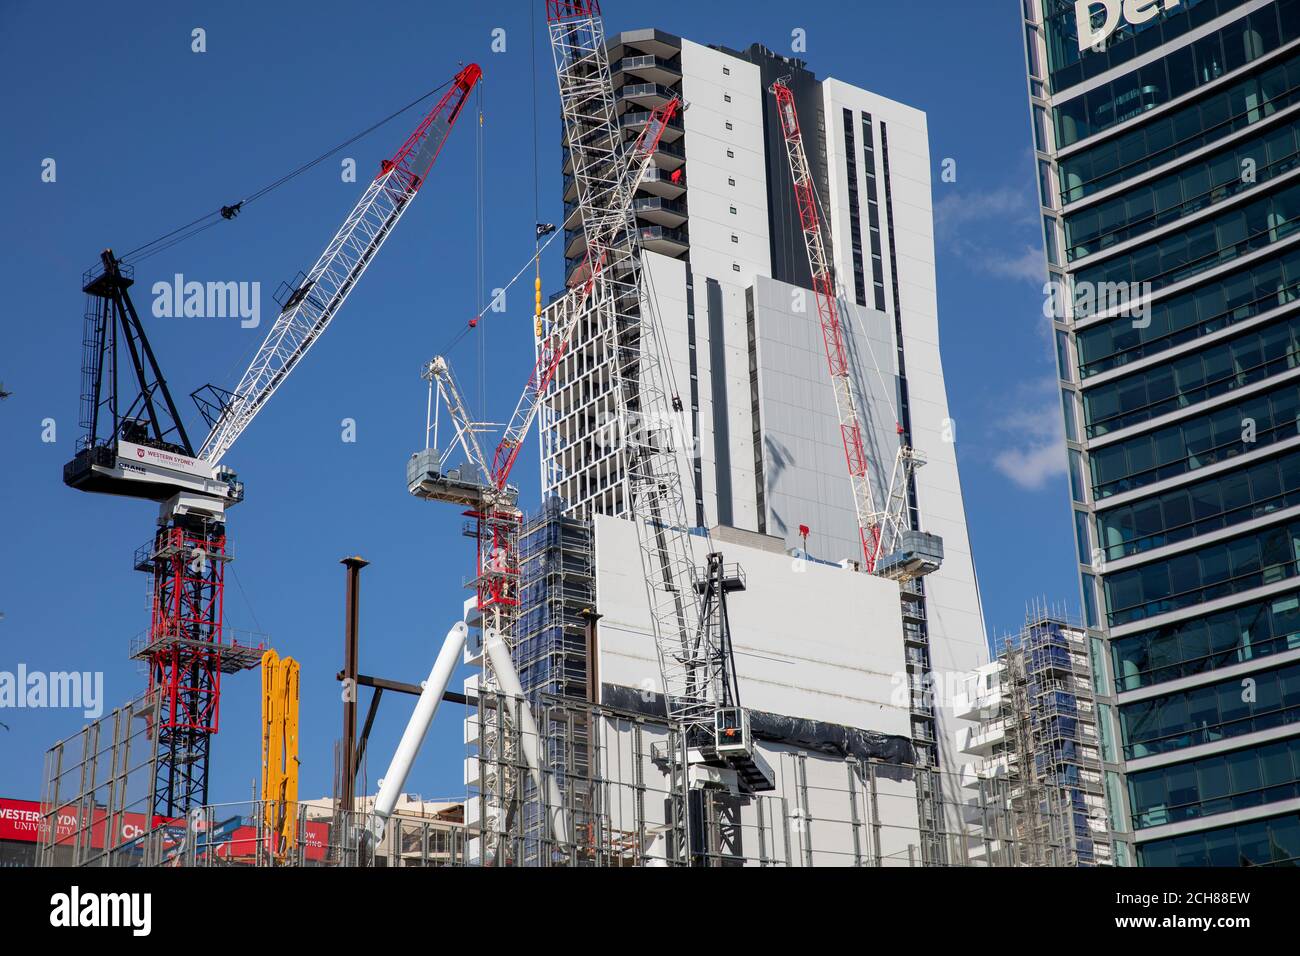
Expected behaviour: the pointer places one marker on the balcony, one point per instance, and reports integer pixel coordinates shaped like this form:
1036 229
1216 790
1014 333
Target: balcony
661 212
646 95
660 182
664 240
978 705
983 740
635 120
645 66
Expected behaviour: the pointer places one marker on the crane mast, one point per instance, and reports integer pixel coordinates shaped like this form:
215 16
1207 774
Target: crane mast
692 664
889 547
823 280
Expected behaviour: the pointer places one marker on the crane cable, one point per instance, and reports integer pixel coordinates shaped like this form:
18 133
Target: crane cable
208 220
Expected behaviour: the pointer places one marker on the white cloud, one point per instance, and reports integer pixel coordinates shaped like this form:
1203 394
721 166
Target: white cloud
1030 265
1033 467
959 209
1031 434
964 220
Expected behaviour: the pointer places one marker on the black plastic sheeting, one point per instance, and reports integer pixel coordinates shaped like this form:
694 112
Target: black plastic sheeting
816 735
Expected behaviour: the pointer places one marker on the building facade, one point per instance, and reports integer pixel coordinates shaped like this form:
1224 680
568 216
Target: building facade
728 274
1167 138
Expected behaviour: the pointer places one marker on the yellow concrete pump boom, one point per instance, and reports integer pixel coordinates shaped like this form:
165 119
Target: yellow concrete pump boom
280 751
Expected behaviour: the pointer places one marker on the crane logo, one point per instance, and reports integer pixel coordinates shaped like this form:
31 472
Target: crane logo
208 300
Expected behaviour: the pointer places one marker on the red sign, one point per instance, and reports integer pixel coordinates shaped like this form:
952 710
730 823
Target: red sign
23 821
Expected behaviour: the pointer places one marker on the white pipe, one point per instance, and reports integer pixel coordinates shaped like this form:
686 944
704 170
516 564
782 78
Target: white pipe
529 738
390 787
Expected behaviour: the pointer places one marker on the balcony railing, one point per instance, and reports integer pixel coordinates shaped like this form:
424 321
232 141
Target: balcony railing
647 61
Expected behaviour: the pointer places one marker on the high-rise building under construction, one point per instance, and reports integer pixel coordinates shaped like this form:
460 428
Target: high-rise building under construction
726 268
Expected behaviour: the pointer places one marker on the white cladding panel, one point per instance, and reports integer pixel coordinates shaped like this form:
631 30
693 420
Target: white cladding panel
726 176
810 641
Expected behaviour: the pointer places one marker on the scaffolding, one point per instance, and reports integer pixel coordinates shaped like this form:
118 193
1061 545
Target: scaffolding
828 811
1052 751
553 653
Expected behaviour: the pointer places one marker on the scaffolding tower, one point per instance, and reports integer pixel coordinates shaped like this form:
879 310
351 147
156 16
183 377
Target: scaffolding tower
553 654
1057 782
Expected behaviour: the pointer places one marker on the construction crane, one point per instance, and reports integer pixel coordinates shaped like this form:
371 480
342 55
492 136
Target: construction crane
709 729
889 546
691 667
140 449
483 485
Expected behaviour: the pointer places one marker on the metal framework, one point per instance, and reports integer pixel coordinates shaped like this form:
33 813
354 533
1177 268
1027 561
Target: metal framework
308 308
496 519
111 321
646 453
186 653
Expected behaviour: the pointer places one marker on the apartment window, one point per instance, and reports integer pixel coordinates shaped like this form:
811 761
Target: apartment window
731 154
855 221
1194 443
873 212
733 210
726 71
731 181
735 238
726 97
1211 712
728 126
735 267
1188 647
1217 570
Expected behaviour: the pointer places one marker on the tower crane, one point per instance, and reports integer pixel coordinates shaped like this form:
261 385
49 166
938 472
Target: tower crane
884 528
891 547
692 641
482 485
140 449
691 666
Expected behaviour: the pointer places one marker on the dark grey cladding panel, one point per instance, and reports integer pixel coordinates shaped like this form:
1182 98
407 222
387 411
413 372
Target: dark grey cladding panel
834 740
785 230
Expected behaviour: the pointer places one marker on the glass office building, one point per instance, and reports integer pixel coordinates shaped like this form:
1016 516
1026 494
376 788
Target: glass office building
1167 136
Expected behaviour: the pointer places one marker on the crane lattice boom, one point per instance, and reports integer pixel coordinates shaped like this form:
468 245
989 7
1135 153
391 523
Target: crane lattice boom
691 664
313 304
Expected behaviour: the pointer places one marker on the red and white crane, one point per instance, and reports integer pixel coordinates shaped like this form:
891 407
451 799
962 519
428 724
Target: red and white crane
140 449
493 502
880 527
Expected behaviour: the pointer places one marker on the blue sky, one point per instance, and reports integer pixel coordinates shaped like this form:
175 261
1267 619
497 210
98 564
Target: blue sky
147 135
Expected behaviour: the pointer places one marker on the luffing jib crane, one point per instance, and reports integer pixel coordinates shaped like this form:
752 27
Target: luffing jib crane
884 530
693 661
483 486
140 449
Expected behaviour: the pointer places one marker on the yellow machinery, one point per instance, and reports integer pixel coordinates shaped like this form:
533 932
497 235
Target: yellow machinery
280 751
